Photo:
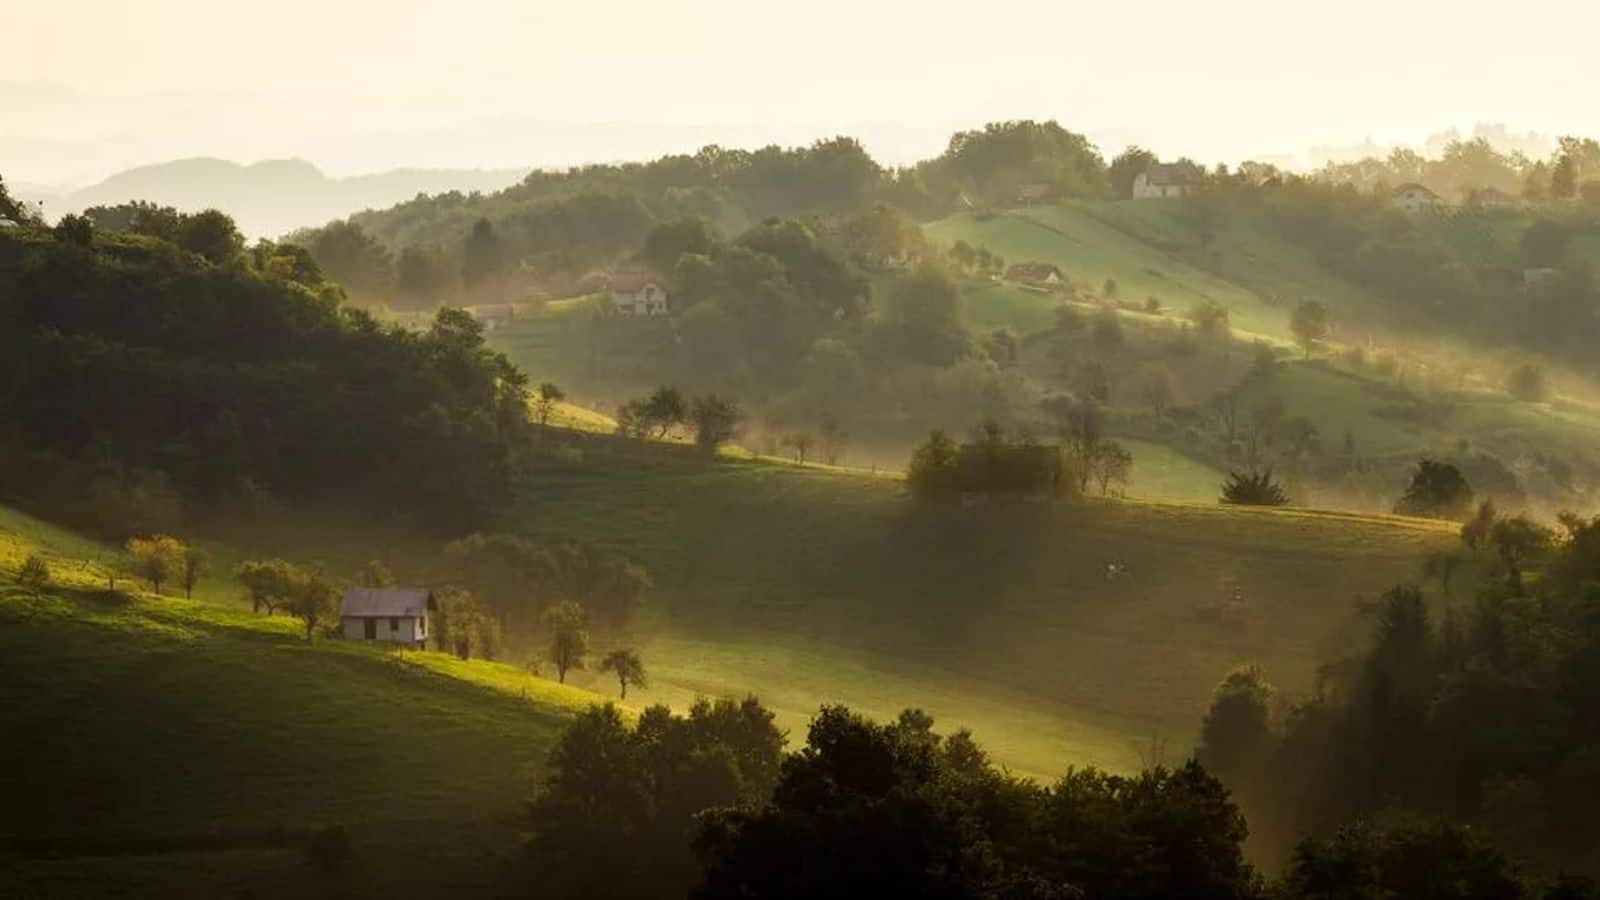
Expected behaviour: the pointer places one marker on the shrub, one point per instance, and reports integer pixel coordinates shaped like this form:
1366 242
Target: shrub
1437 490
1253 489
35 572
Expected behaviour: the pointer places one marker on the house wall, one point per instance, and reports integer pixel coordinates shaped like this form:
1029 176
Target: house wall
408 630
1413 201
1144 190
650 300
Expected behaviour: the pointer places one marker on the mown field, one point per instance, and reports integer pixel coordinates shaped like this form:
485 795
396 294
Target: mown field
1061 633
161 747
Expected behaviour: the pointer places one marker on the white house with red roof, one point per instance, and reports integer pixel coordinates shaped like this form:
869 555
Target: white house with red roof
1414 198
638 292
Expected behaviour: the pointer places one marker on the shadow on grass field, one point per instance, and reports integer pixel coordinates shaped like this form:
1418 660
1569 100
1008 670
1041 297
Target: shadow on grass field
1061 633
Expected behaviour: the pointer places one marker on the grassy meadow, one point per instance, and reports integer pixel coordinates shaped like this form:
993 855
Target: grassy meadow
183 748
808 586
1090 251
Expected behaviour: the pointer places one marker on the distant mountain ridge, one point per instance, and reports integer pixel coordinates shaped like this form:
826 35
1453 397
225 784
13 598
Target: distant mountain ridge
276 196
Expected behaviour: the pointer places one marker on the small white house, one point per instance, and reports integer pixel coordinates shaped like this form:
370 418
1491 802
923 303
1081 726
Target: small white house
638 293
394 615
1165 180
1414 198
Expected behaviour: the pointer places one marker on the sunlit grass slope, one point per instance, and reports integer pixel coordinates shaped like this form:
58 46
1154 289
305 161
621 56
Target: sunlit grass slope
162 747
810 587
1090 251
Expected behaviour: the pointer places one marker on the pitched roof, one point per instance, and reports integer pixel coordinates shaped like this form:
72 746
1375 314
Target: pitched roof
386 602
632 282
1413 186
1033 269
1168 174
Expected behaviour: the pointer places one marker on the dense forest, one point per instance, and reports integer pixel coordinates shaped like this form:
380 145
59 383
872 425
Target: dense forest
1473 701
555 231
140 374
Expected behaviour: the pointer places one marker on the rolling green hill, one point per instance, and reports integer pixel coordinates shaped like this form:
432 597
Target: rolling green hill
163 747
1090 251
810 586
1060 633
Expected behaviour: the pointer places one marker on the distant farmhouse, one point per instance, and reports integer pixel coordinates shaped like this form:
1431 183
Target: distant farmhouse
1414 198
638 293
1038 274
1038 192
393 615
1166 180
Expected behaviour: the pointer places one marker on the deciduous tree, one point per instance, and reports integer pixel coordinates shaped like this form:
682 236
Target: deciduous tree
157 559
627 666
1311 325
567 637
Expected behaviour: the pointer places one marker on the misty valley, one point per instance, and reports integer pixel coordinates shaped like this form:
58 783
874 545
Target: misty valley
1026 521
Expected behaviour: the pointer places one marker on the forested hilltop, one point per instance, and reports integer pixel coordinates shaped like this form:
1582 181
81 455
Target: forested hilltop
142 374
1504 214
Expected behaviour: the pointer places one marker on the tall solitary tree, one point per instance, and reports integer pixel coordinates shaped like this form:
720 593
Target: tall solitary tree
569 640
629 669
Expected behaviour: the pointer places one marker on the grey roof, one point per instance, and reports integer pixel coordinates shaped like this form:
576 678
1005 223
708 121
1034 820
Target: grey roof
386 602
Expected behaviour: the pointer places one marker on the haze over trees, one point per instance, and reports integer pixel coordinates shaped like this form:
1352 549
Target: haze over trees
183 336
159 366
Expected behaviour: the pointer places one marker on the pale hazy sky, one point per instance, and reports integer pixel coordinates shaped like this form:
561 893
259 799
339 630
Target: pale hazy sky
356 85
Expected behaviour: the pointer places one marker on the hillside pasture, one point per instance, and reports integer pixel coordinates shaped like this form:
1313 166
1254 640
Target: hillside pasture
1109 620
177 748
1090 252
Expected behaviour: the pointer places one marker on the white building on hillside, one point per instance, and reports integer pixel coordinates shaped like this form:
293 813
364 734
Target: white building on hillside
393 615
1165 180
1414 198
638 293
